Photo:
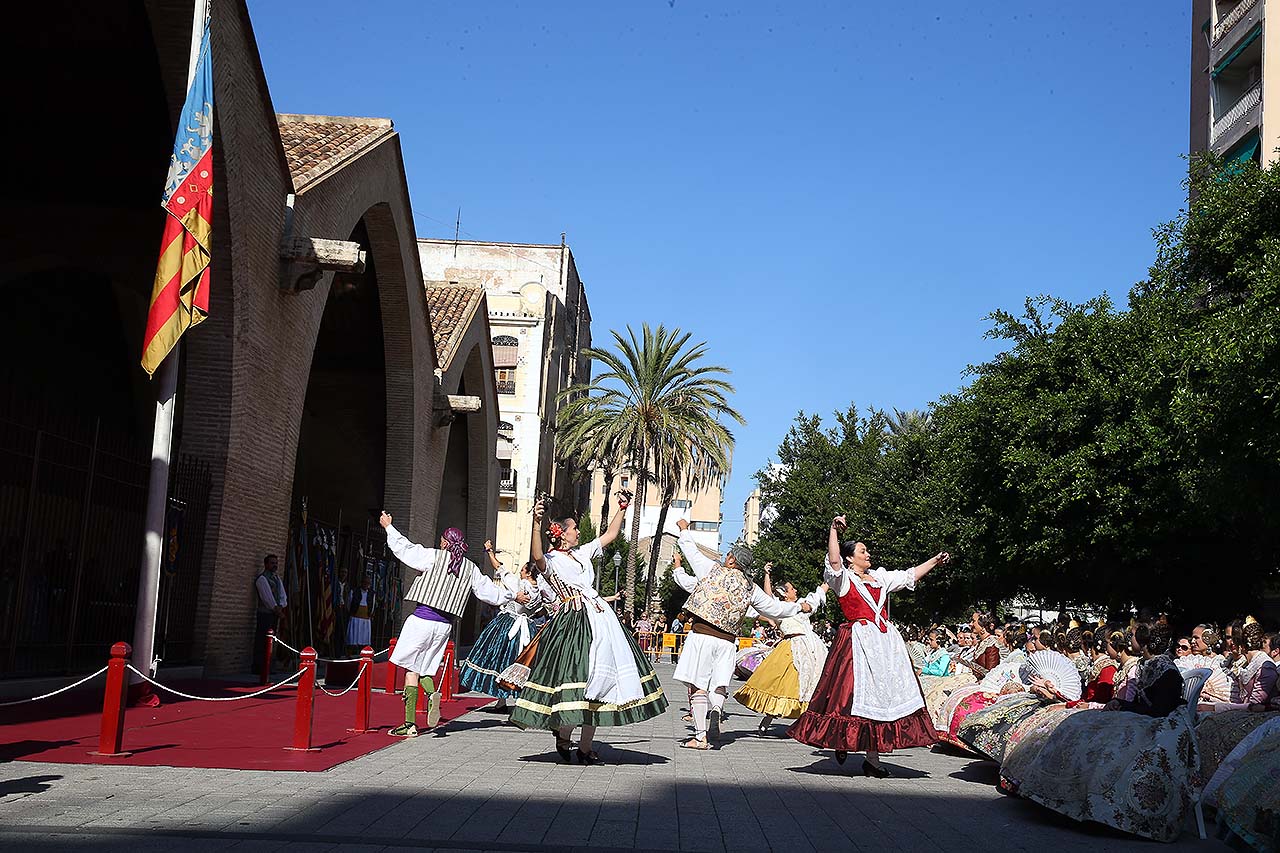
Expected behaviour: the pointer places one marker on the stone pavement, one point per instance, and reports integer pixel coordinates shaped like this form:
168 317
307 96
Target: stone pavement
484 785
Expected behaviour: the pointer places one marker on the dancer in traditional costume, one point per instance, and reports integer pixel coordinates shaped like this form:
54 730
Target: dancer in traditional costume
359 624
446 579
588 671
868 698
783 683
507 634
721 596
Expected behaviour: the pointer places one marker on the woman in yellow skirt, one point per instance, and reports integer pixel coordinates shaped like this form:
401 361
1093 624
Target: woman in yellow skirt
783 683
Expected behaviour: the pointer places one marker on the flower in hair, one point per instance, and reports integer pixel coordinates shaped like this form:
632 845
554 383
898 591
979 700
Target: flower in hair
556 529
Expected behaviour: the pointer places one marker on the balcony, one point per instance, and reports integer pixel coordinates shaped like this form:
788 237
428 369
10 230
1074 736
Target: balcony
1235 122
1228 21
507 487
506 386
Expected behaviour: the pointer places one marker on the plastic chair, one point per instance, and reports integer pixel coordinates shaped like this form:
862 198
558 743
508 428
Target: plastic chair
1192 683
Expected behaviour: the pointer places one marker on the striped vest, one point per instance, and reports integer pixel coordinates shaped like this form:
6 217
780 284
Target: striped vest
438 589
721 598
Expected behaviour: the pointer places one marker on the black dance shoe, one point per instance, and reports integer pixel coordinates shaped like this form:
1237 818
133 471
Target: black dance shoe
562 747
588 758
879 772
841 755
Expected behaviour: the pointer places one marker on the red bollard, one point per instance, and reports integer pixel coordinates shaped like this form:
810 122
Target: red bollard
306 703
447 676
364 692
266 658
391 669
112 733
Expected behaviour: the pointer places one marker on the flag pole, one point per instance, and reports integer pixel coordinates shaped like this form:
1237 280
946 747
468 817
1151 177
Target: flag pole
144 621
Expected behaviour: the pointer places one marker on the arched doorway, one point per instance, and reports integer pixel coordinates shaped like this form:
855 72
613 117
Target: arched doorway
340 467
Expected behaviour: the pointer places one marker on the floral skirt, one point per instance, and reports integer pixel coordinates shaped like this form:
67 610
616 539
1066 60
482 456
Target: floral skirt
1026 739
828 724
556 693
1249 801
1220 733
987 732
1239 754
938 692
1125 770
493 652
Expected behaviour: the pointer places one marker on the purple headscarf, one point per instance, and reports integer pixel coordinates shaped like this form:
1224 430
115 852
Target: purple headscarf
457 547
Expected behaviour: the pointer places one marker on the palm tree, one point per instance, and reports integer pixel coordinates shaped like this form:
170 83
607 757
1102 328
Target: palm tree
658 409
909 421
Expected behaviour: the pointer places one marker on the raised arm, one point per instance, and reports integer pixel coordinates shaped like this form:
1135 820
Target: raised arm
615 523
699 562
411 554
535 543
683 578
490 591
493 556
768 578
767 605
930 564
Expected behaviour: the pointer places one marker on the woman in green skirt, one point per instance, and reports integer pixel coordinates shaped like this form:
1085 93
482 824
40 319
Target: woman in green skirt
588 670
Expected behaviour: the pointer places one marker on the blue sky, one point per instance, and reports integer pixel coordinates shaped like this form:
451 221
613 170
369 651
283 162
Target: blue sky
831 196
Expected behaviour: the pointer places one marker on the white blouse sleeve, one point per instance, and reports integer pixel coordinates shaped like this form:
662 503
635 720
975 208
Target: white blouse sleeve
699 563
837 579
767 605
894 581
816 599
486 589
683 578
413 555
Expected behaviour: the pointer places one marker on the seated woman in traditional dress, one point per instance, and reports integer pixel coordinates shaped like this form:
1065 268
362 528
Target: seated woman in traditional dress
1223 725
983 656
1098 691
1005 679
783 683
868 698
1129 765
1248 800
1053 681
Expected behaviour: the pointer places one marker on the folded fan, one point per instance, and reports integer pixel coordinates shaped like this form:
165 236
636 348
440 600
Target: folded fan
1057 669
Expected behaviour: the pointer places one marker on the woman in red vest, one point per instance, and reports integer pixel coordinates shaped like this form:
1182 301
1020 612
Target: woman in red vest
868 698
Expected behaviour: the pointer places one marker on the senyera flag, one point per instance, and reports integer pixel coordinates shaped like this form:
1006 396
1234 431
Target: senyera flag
180 294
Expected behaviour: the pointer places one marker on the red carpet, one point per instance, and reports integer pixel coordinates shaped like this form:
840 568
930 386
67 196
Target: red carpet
247 735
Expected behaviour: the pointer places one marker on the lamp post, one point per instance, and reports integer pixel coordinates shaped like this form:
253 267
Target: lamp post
617 564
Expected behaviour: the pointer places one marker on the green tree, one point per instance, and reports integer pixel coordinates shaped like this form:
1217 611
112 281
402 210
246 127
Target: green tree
660 408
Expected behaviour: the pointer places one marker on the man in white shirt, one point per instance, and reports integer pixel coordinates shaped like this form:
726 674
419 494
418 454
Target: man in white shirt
272 600
721 595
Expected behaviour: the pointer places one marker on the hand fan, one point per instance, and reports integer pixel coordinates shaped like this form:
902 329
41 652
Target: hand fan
1057 668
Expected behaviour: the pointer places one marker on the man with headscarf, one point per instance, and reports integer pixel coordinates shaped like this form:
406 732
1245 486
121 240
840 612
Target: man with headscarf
446 578
721 596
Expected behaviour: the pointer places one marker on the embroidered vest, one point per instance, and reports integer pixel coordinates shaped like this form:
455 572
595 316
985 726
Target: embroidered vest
721 598
440 590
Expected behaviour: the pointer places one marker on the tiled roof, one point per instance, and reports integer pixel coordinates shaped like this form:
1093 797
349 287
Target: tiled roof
452 308
317 145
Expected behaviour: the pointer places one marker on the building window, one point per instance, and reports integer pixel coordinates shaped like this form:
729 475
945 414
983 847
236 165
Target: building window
505 429
506 477
506 351
626 481
681 504
704 525
506 380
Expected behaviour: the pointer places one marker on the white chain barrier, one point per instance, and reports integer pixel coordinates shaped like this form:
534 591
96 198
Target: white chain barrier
268 689
280 642
350 687
84 680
